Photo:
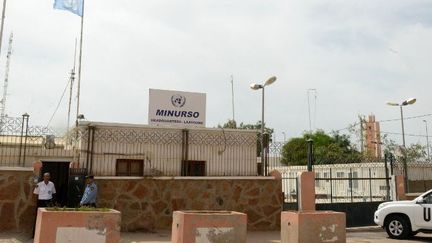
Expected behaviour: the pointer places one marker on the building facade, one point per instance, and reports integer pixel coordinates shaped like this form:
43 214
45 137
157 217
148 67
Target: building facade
110 149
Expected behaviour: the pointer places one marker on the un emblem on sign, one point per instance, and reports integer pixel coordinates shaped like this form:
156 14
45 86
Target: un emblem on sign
178 100
71 4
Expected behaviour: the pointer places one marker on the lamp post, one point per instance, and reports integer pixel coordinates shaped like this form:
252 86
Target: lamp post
427 140
255 86
409 101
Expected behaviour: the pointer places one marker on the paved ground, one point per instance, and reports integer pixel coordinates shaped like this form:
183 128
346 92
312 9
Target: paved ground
370 236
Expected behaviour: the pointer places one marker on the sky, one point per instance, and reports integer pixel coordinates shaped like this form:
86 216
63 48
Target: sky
356 54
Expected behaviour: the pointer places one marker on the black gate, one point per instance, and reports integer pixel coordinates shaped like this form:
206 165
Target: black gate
76 186
358 197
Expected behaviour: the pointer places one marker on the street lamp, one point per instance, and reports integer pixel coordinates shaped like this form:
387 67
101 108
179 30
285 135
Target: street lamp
427 140
409 101
255 86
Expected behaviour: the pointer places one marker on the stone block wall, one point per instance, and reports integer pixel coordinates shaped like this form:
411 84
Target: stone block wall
148 204
17 205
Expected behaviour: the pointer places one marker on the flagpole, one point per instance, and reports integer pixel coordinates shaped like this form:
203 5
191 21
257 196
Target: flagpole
79 63
2 23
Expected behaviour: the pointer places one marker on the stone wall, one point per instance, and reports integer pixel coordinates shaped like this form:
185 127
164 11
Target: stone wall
17 205
148 204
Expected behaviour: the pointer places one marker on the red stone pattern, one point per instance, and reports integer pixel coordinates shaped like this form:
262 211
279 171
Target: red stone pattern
147 204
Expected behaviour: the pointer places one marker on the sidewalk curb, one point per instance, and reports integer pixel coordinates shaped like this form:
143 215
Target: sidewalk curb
364 229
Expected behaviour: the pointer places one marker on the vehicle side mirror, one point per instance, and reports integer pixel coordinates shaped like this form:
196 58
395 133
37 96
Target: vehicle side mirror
420 201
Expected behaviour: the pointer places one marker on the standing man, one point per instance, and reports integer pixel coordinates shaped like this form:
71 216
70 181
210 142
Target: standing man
90 193
45 191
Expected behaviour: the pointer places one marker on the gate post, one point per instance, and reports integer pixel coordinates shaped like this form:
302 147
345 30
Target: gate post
400 187
306 199
386 157
308 225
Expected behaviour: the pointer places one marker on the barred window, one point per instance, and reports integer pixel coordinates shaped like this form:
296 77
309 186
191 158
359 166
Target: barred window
129 167
327 175
353 183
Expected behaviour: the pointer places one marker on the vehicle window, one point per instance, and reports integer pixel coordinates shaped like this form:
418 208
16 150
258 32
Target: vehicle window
428 198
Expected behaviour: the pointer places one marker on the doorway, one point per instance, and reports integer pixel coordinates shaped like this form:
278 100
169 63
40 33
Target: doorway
59 172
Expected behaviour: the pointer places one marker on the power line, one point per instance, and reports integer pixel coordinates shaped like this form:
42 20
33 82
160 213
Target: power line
406 118
58 104
406 134
388 120
348 127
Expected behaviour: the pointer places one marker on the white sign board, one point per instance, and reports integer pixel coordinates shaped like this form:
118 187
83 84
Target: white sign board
176 108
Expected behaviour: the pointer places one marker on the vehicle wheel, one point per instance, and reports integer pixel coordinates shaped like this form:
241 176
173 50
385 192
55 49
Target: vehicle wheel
398 227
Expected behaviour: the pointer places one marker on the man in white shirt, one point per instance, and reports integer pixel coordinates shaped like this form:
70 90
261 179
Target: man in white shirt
45 191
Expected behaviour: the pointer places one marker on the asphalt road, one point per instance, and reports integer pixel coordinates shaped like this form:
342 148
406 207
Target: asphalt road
381 237
372 236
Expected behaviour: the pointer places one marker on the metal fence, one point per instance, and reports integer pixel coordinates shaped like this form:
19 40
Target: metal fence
342 190
345 181
22 143
163 150
98 147
341 183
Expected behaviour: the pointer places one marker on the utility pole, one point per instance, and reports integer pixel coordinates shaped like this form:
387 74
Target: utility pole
427 140
309 109
232 97
72 79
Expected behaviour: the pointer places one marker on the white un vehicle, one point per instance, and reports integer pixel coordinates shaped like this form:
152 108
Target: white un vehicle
403 219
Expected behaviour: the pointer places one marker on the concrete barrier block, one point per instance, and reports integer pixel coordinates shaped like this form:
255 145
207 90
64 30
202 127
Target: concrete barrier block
313 226
77 226
208 226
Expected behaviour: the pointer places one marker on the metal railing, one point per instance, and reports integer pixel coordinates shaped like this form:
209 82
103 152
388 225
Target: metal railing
341 190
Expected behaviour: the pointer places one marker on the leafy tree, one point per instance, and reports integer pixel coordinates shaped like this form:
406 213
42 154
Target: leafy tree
414 152
231 124
328 149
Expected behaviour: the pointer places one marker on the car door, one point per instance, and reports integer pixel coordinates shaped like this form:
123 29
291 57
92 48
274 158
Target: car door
423 212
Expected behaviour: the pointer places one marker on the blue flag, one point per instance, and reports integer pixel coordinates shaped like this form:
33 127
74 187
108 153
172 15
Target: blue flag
74 6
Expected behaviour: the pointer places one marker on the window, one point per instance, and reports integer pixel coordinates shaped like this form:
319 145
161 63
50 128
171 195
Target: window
129 167
428 198
340 174
193 168
354 182
327 175
317 182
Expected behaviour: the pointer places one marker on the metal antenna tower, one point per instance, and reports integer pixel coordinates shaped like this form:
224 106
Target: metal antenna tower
6 81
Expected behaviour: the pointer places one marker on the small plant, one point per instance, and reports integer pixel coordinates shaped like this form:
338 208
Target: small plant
78 209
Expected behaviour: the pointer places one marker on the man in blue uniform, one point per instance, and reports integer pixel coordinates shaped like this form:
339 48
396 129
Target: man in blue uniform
90 193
